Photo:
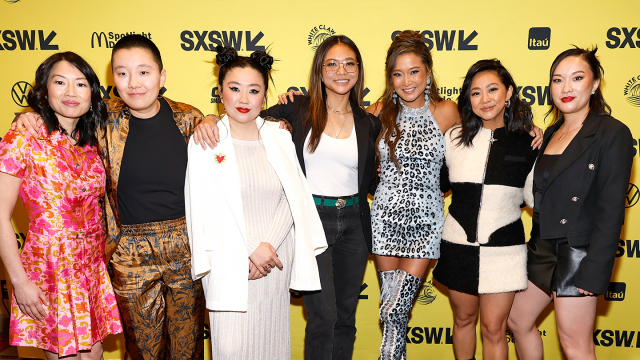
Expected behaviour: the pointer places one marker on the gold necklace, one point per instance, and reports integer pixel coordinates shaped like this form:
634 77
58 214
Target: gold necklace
338 111
334 128
562 133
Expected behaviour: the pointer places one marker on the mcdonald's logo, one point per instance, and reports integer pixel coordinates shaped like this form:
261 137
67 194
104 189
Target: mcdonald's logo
99 36
19 93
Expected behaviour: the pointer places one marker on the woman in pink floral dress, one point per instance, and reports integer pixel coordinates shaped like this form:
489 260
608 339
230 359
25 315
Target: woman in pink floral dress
63 302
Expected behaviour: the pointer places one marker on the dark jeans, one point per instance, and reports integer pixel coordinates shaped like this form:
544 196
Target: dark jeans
331 323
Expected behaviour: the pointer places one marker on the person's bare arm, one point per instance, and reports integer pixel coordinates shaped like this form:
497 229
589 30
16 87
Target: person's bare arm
28 295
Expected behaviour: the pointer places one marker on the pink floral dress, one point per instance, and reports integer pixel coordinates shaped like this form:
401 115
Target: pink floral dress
63 254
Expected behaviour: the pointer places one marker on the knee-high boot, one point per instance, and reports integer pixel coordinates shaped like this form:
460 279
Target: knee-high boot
394 314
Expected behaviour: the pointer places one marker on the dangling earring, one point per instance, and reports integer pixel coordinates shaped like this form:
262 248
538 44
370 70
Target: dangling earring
507 103
427 91
394 97
91 107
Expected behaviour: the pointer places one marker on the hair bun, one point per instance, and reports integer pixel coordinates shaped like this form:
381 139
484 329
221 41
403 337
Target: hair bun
226 54
265 60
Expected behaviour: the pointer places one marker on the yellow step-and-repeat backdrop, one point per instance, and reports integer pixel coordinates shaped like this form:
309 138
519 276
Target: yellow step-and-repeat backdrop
525 35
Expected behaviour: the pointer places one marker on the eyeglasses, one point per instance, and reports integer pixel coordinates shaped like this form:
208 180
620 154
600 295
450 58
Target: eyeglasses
331 67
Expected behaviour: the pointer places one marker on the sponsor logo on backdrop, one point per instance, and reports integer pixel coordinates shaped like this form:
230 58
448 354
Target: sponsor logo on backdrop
633 194
110 91
215 97
108 39
19 93
632 91
20 239
628 248
208 40
305 92
619 338
427 293
318 35
539 38
446 39
427 335
620 38
535 95
616 291
12 1
27 40
449 93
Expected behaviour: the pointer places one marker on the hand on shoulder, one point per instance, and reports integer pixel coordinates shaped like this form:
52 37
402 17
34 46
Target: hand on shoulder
374 108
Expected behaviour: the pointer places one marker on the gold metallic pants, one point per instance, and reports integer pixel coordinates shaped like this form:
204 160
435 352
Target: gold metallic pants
162 308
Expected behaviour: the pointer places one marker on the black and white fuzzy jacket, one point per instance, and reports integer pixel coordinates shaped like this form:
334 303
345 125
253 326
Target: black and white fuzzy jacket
483 242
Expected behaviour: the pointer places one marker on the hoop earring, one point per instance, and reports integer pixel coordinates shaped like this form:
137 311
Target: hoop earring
507 103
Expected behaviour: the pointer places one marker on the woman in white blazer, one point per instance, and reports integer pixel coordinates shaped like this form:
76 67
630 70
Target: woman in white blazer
253 228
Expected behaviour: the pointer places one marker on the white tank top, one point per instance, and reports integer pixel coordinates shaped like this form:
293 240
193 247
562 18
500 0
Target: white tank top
332 170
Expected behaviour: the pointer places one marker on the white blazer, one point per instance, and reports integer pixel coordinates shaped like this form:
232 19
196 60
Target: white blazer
215 217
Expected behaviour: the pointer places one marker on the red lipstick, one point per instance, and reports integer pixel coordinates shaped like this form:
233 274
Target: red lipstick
242 110
567 99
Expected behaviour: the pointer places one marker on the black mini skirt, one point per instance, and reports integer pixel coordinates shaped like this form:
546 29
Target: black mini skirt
552 264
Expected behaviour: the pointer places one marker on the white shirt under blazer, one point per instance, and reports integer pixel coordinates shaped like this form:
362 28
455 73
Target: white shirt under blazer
215 218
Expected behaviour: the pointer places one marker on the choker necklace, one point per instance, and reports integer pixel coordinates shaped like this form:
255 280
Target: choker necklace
338 111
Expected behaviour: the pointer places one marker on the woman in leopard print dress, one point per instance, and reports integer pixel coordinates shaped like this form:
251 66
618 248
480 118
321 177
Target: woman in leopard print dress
407 213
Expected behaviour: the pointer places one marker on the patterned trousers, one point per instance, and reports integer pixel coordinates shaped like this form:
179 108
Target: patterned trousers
162 308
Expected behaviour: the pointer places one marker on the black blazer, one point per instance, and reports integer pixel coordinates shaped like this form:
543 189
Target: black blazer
367 129
584 198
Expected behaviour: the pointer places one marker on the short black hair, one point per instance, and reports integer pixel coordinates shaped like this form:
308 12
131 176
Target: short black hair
140 42
84 133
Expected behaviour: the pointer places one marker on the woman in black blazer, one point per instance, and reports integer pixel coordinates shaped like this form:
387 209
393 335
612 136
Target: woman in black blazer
579 182
335 143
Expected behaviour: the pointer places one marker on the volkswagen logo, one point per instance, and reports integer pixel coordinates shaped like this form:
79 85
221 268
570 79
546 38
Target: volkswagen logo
19 93
633 194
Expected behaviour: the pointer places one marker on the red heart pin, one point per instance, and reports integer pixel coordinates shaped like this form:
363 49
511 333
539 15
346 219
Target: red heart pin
220 158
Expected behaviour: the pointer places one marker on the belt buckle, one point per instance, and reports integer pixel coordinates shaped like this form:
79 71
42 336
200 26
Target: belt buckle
341 203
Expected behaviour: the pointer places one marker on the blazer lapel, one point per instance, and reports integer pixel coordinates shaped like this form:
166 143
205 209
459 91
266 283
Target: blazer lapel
362 135
225 168
576 147
278 157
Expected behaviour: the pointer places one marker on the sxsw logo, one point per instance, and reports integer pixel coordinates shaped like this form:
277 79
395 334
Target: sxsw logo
111 38
539 38
446 39
304 92
616 291
425 335
622 37
532 95
631 248
19 93
27 40
622 338
208 40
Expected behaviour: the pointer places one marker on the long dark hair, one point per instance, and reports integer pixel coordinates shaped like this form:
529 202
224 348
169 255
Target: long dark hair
518 117
84 132
596 102
316 116
407 41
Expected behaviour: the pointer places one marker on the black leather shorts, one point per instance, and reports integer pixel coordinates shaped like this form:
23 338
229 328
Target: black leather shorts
552 264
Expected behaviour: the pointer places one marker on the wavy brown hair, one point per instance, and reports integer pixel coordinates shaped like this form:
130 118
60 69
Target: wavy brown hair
597 103
316 116
408 41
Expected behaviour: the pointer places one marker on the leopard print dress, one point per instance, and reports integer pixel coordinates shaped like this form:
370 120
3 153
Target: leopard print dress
407 213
